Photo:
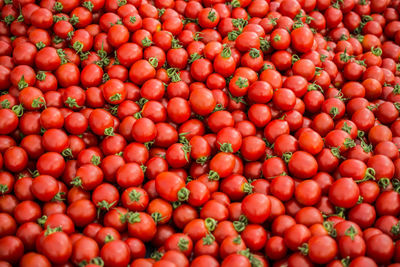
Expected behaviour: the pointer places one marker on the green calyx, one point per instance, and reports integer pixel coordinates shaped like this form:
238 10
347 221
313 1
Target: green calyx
40 45
241 224
303 249
194 57
77 181
202 160
242 82
67 153
134 196
237 240
287 156
22 83
226 147
42 220
146 42
74 20
212 16
41 75
153 62
349 143
156 255
248 188
3 189
174 74
18 110
334 112
336 152
50 230
133 217
186 148
5 103
157 217
384 183
58 7
351 232
377 51
254 53
210 224
183 194
183 244
9 19
115 97
226 52
209 239
395 230
89 5
175 44
264 45
95 160
328 225
108 239
59 197
104 205
122 2
213 176
39 102
71 102
109 131
347 128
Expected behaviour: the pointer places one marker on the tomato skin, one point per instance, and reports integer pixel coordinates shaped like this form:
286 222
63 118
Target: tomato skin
202 101
344 193
308 192
32 258
44 187
15 159
82 212
13 249
384 252
303 165
108 251
352 248
318 253
142 226
296 235
64 247
247 236
8 121
152 126
256 213
168 185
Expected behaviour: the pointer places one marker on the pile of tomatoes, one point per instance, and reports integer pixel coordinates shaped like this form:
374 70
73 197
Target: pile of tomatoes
203 133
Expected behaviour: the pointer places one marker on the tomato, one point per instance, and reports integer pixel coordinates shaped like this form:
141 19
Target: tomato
141 225
322 249
82 212
8 122
296 235
344 193
302 39
63 243
308 192
380 248
169 186
44 187
13 249
351 245
256 213
302 165
33 258
215 132
109 250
